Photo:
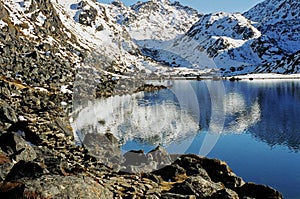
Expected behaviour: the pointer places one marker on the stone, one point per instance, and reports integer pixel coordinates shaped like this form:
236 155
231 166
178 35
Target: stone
7 113
65 187
135 158
16 147
170 172
192 166
103 149
12 190
24 169
177 196
29 135
5 165
161 156
251 190
218 171
198 186
225 194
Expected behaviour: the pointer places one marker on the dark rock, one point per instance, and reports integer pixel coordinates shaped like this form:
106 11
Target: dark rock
151 176
112 138
5 165
29 135
24 169
177 196
225 194
218 171
16 147
7 113
11 190
197 186
251 190
87 16
170 172
192 166
232 79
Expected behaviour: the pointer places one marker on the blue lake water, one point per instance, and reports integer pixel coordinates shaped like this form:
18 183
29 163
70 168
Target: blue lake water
252 125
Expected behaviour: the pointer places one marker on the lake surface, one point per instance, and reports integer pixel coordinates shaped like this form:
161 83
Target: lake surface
252 125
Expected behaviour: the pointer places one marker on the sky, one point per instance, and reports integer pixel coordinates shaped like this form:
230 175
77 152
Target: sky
209 6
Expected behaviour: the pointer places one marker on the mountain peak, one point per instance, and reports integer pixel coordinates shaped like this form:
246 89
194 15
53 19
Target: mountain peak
167 2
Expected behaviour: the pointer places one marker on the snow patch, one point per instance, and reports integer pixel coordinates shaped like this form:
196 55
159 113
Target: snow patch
41 19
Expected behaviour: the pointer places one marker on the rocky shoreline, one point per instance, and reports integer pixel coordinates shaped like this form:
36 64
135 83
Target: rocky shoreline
39 159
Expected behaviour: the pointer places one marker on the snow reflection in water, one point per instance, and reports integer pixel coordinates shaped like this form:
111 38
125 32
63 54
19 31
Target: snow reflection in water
158 118
131 117
242 117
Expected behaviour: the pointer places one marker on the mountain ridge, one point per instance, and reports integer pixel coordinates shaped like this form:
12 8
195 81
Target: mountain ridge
149 37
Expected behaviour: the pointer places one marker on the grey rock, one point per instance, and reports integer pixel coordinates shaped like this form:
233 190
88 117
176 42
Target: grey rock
7 112
225 194
65 187
101 147
135 157
161 156
197 186
16 147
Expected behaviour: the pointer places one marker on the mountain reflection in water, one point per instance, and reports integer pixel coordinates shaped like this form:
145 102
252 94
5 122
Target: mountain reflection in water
162 118
259 138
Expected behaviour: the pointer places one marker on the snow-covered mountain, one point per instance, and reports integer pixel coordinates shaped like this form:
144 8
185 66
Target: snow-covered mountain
262 40
155 20
278 20
147 37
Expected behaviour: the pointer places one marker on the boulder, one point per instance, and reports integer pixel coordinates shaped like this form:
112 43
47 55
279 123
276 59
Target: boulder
64 187
7 113
104 148
198 186
225 194
251 190
161 156
170 172
5 165
217 170
16 147
24 169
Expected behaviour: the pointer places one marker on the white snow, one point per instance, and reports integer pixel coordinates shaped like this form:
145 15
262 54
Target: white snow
269 76
64 89
41 19
2 24
127 120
